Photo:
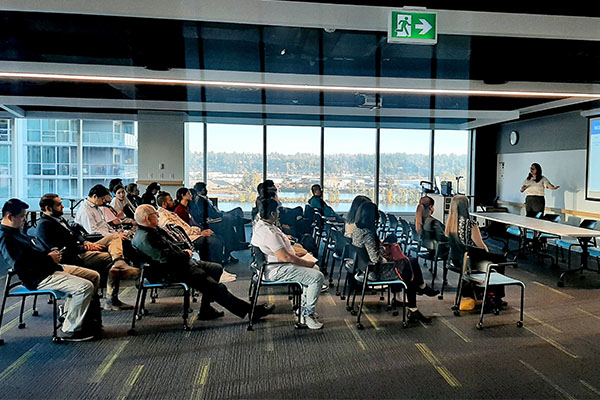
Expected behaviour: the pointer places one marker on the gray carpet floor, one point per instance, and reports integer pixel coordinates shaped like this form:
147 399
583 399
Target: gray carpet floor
555 355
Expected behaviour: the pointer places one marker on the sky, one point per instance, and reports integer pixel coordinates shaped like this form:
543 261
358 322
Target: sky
297 139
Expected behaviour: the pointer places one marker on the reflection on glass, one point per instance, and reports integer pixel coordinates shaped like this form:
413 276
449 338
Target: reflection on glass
349 166
234 164
195 152
293 161
451 157
404 162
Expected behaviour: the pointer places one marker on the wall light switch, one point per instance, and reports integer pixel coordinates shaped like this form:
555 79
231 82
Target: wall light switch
161 166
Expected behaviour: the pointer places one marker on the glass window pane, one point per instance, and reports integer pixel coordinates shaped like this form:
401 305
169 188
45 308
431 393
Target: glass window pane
349 166
48 154
195 155
293 161
451 150
234 162
34 154
34 136
404 162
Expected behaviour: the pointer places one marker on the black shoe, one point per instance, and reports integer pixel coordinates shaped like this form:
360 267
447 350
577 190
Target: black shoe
262 311
209 313
414 316
428 291
78 336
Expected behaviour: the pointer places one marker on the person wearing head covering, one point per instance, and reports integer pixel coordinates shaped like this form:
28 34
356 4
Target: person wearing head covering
149 196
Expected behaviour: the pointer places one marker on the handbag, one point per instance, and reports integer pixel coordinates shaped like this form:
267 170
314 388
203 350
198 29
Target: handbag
383 272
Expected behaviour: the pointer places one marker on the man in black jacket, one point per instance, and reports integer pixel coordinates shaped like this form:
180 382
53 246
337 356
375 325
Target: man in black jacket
170 262
104 256
39 268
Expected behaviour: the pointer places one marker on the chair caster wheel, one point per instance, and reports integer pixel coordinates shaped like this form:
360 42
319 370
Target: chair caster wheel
353 312
138 317
187 328
57 340
21 325
519 324
131 332
496 311
360 326
299 326
381 298
560 284
35 313
441 297
348 308
457 313
388 308
479 326
395 313
145 312
331 284
342 297
194 300
405 325
454 308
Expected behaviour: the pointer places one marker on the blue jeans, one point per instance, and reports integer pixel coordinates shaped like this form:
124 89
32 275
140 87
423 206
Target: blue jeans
311 280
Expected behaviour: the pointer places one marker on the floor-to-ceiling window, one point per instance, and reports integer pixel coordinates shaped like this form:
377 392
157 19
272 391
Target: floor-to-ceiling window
404 162
349 165
294 161
195 152
6 168
234 163
450 155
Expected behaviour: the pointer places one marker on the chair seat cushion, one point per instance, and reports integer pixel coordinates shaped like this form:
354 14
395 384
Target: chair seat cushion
495 279
513 230
23 291
360 278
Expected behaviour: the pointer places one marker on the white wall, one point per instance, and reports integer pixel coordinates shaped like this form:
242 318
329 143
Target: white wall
161 141
566 169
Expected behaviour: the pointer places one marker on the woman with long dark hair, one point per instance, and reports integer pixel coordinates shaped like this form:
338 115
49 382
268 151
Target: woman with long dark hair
429 228
351 216
534 190
149 197
365 236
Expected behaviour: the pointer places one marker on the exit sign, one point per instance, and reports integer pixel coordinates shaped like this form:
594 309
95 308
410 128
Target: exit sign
412 27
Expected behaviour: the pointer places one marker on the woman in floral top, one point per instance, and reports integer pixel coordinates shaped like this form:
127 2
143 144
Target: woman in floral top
365 236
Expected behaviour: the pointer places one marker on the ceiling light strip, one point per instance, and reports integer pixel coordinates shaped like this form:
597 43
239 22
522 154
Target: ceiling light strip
285 86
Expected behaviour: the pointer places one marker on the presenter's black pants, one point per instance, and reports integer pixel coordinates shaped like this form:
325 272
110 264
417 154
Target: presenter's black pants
534 205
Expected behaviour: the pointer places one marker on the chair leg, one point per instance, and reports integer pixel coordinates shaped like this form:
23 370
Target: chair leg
433 273
254 300
55 337
520 323
444 280
136 306
35 311
186 308
404 323
2 310
362 300
21 322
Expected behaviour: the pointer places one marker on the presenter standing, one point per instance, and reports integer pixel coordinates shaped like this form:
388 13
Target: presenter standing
534 189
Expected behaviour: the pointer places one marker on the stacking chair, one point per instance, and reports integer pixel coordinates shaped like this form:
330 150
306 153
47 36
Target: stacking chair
572 244
436 252
258 266
146 283
394 225
480 271
15 288
405 238
341 246
362 265
382 225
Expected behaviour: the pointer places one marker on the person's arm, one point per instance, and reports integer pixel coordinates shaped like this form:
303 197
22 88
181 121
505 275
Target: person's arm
439 230
476 237
549 185
524 186
372 249
284 256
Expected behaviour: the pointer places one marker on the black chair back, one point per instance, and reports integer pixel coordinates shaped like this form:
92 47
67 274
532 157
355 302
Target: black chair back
588 223
393 222
361 258
551 217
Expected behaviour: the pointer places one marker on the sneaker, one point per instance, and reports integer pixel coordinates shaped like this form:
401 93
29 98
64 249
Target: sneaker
78 336
116 305
325 288
262 311
414 316
297 311
311 322
207 313
428 291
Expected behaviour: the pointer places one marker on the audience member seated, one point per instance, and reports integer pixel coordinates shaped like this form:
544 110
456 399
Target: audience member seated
209 245
462 231
104 256
40 269
365 236
277 248
90 214
317 202
149 196
351 216
120 203
133 195
113 183
429 229
167 261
